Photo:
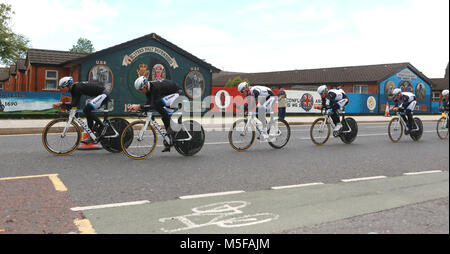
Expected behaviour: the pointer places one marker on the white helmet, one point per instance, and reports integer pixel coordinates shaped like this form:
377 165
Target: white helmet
140 82
397 91
445 92
322 89
242 86
65 81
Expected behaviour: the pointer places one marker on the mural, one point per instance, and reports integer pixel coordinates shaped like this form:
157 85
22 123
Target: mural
408 81
102 73
30 103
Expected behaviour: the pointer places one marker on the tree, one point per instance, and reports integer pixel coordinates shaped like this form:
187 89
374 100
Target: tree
83 46
12 46
235 82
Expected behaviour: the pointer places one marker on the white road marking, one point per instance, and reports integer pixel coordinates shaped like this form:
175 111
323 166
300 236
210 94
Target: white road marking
109 205
294 186
363 179
422 172
211 194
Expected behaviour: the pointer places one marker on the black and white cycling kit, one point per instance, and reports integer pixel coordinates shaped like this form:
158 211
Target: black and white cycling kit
265 98
162 96
92 89
407 102
338 100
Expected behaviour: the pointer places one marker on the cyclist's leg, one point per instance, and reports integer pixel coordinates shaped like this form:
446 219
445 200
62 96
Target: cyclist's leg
409 110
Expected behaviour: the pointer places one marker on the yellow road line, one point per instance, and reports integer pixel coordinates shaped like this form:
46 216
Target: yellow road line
84 226
57 183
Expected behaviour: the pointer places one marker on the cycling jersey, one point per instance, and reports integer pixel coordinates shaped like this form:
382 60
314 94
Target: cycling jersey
445 104
407 101
91 89
337 98
264 96
160 94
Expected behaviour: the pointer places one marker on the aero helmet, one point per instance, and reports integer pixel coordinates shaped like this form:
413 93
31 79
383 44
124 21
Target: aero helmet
242 86
322 89
140 82
65 81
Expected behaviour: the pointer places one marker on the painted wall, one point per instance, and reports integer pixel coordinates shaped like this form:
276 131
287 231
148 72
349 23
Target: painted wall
30 102
410 82
150 58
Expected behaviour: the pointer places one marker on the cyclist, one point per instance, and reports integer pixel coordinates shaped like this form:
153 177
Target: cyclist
161 96
265 99
405 102
445 103
337 102
92 89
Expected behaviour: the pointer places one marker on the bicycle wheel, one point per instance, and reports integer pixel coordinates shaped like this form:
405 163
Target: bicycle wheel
241 136
193 146
282 134
142 142
113 144
395 130
416 135
320 131
348 138
442 128
59 143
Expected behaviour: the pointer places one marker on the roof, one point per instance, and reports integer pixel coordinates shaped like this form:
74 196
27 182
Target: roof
151 36
350 74
21 65
51 57
440 83
4 74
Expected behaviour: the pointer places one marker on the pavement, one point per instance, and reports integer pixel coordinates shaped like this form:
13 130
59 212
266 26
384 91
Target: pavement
35 126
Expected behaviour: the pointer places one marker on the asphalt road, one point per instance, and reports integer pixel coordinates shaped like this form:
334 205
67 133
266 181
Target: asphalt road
98 177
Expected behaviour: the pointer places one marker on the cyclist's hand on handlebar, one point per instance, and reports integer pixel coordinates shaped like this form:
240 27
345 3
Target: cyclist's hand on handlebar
317 106
56 105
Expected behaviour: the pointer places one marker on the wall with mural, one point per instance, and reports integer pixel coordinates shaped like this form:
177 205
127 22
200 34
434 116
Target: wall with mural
408 82
30 102
120 68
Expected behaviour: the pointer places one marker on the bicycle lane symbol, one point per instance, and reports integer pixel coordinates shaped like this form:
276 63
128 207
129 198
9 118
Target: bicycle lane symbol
223 214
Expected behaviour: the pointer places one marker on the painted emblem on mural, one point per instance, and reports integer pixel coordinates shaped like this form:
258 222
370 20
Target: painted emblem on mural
406 86
420 92
142 71
371 103
222 99
194 84
307 102
128 59
158 72
102 73
388 89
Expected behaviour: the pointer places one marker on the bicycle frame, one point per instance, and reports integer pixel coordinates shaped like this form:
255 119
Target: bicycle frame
73 116
330 121
150 119
405 125
252 121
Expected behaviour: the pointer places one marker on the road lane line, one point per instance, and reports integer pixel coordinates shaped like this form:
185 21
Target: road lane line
422 172
76 209
84 226
211 194
57 183
363 179
295 186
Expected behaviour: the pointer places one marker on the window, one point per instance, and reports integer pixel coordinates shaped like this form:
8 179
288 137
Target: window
436 96
51 80
361 89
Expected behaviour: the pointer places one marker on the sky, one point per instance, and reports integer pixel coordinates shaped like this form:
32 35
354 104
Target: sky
253 35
